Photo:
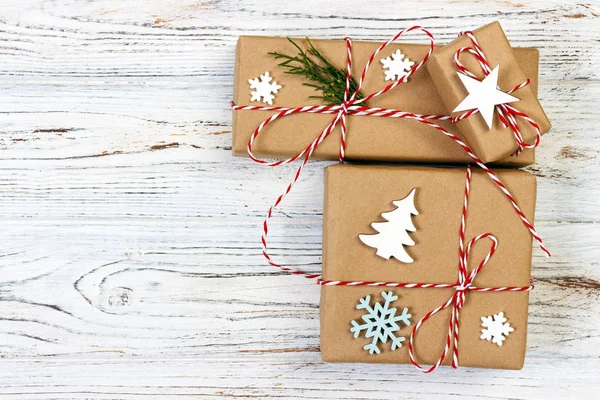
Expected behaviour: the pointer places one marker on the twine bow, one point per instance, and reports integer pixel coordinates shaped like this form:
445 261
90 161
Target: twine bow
457 301
464 284
506 113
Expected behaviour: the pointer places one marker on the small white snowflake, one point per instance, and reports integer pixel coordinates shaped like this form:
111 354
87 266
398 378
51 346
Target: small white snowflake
380 322
497 329
397 66
264 88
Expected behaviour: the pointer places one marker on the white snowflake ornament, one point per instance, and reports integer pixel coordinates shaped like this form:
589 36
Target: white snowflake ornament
495 328
380 322
393 234
396 66
264 89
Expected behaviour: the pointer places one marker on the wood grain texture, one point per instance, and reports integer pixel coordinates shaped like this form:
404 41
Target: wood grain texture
130 264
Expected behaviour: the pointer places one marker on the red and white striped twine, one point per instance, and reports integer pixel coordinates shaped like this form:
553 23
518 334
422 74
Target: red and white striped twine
351 106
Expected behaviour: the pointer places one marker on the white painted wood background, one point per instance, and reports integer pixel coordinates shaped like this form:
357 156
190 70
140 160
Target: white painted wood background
130 264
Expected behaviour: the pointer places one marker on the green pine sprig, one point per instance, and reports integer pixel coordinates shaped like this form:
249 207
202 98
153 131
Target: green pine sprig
329 80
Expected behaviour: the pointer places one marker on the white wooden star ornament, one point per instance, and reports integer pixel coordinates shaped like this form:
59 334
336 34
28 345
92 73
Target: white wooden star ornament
483 95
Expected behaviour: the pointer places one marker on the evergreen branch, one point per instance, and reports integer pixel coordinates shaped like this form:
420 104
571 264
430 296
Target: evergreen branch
329 80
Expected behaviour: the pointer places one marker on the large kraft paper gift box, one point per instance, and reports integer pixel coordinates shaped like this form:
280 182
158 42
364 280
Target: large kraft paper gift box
356 196
368 138
497 142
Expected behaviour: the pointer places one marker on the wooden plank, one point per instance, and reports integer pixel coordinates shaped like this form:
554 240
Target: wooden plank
289 376
192 40
130 261
187 184
169 289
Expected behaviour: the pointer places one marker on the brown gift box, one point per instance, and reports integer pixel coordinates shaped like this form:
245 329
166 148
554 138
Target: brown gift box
496 143
368 138
356 195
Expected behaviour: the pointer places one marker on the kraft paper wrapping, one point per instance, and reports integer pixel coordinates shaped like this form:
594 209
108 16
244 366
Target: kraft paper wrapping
355 196
368 138
496 143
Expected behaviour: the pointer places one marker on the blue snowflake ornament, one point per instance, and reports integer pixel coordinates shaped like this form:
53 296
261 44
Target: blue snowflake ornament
380 322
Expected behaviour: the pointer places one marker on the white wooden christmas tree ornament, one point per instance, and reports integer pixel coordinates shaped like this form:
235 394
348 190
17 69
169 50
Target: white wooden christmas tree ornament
264 89
393 234
483 95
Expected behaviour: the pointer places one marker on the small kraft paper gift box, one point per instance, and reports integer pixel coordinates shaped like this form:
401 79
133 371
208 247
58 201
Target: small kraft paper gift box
479 71
395 245
260 81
